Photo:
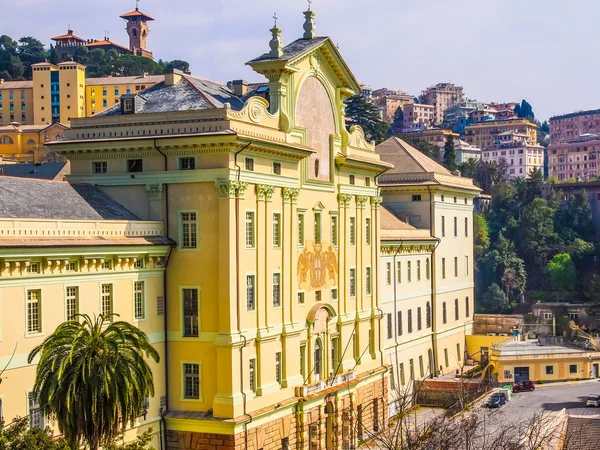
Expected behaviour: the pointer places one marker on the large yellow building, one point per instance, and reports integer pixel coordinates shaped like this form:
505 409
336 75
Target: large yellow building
486 134
27 143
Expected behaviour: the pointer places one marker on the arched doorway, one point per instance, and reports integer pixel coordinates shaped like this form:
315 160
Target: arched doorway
330 441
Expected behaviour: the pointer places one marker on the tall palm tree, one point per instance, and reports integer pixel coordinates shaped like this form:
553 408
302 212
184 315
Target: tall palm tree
93 379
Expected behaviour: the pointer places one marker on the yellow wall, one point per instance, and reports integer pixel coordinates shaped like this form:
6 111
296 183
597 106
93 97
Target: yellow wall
21 93
537 368
96 94
42 101
476 341
72 91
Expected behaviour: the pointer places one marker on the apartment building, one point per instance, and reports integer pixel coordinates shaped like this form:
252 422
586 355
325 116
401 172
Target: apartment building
390 100
568 127
520 157
486 134
575 159
418 116
27 143
441 96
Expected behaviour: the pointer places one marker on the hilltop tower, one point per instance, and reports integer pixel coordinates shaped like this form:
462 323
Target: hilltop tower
138 30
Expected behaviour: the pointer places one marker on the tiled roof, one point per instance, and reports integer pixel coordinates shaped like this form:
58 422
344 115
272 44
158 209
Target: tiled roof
67 36
40 199
16 85
82 241
103 81
46 171
407 159
106 43
136 13
389 221
187 94
292 50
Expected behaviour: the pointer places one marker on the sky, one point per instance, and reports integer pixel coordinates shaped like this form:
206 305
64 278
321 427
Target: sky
545 51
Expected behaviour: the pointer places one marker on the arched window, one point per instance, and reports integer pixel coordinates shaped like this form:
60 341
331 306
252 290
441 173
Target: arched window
7 140
427 315
30 142
318 360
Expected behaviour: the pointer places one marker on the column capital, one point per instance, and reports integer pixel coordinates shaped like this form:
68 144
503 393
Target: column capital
290 195
231 188
155 191
264 192
376 201
361 200
344 200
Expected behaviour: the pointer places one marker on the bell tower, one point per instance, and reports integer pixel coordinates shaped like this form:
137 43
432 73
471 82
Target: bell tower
138 30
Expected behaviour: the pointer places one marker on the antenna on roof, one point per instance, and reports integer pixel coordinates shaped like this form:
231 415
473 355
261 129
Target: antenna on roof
275 18
309 3
137 3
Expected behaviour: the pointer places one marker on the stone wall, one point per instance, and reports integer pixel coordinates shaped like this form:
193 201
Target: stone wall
341 418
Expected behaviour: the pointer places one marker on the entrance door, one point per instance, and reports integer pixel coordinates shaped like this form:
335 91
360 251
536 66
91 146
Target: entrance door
521 374
595 369
330 425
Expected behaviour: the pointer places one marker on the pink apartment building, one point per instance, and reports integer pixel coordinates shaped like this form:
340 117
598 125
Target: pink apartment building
442 96
569 127
389 100
577 158
417 116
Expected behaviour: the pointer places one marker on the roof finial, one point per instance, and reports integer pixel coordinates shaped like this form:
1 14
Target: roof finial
137 4
275 44
309 23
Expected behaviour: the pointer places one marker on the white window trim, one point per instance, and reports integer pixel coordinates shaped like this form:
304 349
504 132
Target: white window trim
244 281
68 285
180 230
273 213
112 298
254 226
182 396
181 324
144 301
355 282
41 313
99 173
301 212
333 214
280 290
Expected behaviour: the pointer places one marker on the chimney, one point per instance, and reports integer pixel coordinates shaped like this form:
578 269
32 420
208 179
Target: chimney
172 77
240 87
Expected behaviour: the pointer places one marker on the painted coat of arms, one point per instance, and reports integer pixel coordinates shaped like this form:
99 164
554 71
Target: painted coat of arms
317 266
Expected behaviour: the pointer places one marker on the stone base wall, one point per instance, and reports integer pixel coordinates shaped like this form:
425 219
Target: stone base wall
339 421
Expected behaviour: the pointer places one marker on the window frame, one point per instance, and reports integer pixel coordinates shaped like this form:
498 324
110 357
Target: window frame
93 168
276 229
142 298
250 213
250 276
186 158
193 233
278 284
67 297
110 294
183 316
183 396
40 327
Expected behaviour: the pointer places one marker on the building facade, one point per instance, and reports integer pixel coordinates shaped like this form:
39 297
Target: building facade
441 96
486 134
27 143
282 199
569 127
389 101
60 257
418 116
575 159
521 158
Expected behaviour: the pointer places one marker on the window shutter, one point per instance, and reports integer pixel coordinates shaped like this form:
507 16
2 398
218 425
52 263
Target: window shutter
160 305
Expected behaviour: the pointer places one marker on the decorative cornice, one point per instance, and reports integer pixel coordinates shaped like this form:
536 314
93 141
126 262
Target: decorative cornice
406 249
231 188
155 191
264 192
290 195
344 200
361 200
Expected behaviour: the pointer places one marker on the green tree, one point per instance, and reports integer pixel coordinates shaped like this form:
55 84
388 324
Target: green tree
54 55
30 51
178 64
495 300
360 111
93 379
536 231
481 236
449 153
562 272
398 123
525 110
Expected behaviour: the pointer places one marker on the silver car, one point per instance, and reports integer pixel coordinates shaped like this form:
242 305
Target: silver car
593 400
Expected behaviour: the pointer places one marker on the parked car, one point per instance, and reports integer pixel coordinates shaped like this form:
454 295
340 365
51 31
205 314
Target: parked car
593 400
497 400
523 386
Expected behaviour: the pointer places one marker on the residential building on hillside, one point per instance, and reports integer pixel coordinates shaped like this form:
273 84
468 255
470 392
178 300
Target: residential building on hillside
282 200
433 135
520 156
464 151
442 96
577 158
390 100
427 263
417 116
27 143
483 114
69 249
485 134
366 91
568 127
137 30
453 113
504 111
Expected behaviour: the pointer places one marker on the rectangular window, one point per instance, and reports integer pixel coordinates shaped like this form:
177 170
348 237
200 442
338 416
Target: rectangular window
443 226
189 229
444 268
335 360
466 227
100 167
411 366
317 228
301 230
301 298
419 322
138 264
251 374
421 366
276 230
573 368
456 312
191 311
34 311
352 179
446 357
191 382
107 264
134 165
276 289
250 242
390 328
72 302
278 367
409 271
318 296
303 360
458 353
250 164
467 307
334 294
409 321
250 292
456 227
549 370
368 230
419 270
277 168
139 307
456 266
398 272
33 267
352 282
352 230
399 324
368 280
36 418
416 198
388 273
444 313
107 303
187 163
334 231
466 266
402 379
